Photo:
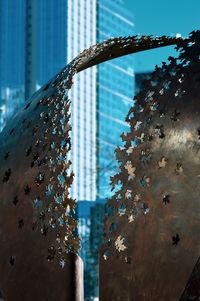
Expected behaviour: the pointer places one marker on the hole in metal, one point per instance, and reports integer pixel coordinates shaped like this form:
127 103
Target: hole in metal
12 260
7 175
175 239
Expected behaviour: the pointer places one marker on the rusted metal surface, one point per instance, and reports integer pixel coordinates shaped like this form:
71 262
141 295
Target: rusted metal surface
153 226
38 228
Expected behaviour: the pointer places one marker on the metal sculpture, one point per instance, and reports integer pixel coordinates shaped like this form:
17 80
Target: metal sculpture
152 243
38 237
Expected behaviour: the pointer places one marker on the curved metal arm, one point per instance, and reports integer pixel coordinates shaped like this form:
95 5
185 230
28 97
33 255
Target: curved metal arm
117 47
114 48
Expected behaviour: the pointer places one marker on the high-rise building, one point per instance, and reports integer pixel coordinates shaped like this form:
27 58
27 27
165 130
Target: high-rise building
91 217
51 38
12 57
84 213
101 95
115 89
12 43
82 20
30 47
10 102
97 216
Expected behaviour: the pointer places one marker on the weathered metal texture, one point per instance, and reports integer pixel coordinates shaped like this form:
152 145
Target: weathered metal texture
152 239
192 289
38 228
36 220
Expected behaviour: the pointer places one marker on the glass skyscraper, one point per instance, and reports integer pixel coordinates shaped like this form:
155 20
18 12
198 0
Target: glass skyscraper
115 88
82 34
101 96
51 38
12 57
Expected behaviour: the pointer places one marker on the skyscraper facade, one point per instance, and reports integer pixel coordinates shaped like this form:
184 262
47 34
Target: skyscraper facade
101 95
115 88
12 57
91 217
12 43
51 38
82 34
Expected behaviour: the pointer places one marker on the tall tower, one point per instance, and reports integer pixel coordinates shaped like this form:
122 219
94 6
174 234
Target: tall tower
12 57
52 47
115 89
82 34
101 96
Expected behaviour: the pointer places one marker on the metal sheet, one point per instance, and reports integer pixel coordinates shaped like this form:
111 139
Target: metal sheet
153 226
38 227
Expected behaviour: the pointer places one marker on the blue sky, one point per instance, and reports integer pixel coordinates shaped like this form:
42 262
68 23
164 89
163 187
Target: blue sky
160 17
